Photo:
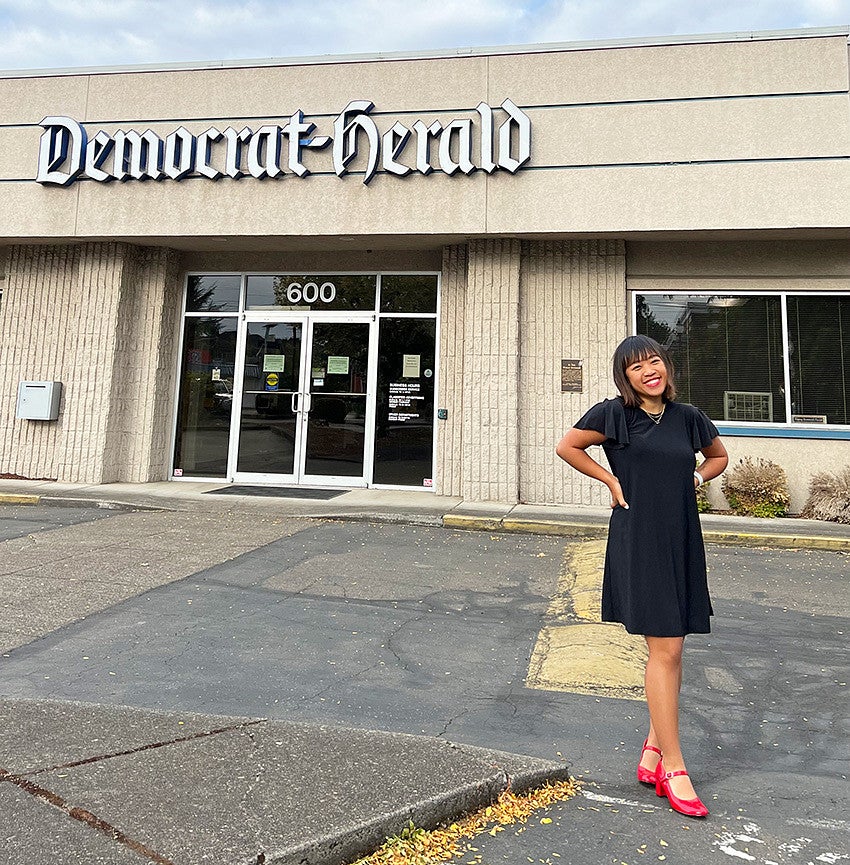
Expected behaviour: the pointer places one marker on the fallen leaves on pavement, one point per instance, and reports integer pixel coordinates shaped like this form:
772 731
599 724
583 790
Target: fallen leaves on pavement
416 846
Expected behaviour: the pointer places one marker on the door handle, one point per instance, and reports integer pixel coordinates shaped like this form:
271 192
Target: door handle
309 400
294 403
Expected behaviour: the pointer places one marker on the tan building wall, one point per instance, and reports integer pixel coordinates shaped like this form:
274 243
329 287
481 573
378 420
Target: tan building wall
102 319
510 313
665 166
449 478
573 307
709 136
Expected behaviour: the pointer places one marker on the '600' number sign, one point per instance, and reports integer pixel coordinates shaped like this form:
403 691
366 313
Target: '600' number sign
310 292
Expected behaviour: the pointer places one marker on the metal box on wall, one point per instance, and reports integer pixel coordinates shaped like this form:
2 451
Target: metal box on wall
38 400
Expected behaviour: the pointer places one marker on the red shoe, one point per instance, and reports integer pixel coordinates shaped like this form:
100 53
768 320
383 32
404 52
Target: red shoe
688 807
645 776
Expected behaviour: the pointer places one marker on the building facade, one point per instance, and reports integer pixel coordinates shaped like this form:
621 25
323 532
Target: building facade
412 271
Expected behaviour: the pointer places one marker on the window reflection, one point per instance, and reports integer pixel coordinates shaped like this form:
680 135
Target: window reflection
213 293
311 291
404 423
206 397
727 351
819 343
409 293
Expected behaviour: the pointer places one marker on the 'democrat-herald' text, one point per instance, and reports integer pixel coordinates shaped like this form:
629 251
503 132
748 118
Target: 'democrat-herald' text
502 140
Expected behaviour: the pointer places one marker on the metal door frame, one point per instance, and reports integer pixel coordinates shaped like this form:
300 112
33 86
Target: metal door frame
304 398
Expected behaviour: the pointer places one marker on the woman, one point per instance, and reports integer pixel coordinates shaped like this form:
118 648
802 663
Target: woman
655 578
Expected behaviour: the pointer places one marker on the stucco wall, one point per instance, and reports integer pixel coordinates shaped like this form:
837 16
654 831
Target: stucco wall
800 458
716 135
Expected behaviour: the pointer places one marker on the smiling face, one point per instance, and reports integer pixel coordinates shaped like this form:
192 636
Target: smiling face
648 378
643 372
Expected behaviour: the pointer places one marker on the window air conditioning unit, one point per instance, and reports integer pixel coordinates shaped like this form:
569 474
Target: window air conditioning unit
747 405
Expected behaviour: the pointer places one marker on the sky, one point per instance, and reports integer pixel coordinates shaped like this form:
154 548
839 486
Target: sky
70 33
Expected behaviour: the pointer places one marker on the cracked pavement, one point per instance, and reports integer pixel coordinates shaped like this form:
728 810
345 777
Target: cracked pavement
424 630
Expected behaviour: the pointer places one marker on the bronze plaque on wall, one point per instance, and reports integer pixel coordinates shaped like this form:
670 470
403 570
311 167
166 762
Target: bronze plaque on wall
571 376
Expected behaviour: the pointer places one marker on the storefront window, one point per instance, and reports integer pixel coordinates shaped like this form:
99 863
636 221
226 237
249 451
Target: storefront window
409 293
215 293
329 293
334 386
819 348
730 361
206 397
404 421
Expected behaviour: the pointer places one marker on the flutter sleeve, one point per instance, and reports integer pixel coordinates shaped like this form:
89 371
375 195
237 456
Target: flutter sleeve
609 418
703 431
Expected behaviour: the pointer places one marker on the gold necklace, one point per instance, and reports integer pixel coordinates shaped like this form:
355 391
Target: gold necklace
655 416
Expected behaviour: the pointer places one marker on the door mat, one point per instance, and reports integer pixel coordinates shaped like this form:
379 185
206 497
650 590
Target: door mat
277 492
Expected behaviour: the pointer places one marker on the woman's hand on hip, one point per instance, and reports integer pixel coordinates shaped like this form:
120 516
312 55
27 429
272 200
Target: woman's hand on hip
617 497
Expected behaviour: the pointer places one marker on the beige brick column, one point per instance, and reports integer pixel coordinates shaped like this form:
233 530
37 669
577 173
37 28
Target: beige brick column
490 470
573 306
96 318
142 394
449 475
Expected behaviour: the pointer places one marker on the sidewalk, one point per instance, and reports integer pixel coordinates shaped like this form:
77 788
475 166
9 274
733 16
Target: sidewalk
130 786
418 508
91 784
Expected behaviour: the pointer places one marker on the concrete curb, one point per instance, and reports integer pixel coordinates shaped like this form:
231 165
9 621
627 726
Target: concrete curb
365 838
103 504
16 499
481 523
586 530
782 542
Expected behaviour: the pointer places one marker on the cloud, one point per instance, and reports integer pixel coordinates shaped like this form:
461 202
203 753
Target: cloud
120 32
570 20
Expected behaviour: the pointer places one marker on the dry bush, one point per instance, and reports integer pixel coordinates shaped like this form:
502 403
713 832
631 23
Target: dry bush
757 488
829 497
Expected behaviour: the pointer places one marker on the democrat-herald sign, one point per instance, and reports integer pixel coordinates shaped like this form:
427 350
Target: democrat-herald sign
503 142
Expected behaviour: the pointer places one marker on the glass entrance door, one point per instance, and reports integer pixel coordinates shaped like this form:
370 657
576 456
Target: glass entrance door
305 401
268 437
337 403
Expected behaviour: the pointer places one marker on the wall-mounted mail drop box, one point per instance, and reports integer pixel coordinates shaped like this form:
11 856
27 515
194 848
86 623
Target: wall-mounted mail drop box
39 400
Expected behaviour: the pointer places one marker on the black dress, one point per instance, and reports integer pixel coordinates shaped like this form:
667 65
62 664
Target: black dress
655 582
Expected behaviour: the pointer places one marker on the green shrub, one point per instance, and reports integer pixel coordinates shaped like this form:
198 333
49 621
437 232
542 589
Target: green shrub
757 488
829 497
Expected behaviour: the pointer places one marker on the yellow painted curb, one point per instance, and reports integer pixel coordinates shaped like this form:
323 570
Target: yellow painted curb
461 521
15 499
785 542
598 659
553 527
575 651
586 530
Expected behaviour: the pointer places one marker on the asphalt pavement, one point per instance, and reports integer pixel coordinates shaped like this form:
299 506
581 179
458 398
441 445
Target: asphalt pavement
195 677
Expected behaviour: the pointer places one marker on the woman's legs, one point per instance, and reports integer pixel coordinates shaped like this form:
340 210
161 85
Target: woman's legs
663 681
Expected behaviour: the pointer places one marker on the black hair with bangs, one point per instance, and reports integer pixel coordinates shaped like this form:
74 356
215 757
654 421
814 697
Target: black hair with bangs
635 348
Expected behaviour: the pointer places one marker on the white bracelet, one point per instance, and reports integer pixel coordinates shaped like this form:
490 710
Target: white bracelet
700 479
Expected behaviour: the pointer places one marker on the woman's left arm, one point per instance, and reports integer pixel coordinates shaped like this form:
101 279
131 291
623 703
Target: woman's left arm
716 460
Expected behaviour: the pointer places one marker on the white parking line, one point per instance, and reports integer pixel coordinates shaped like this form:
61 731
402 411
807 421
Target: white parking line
729 843
827 823
612 800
